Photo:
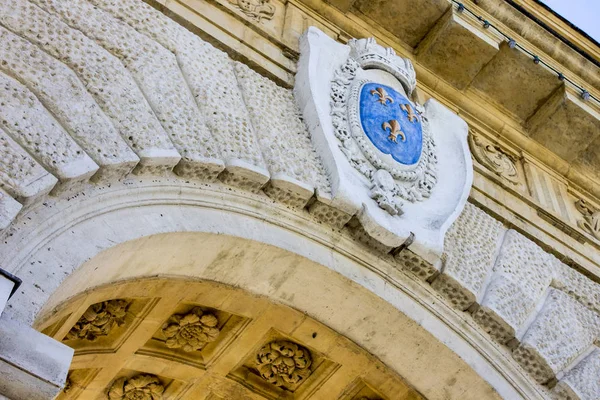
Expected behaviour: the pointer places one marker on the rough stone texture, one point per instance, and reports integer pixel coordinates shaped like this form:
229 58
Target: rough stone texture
470 248
520 276
577 286
9 208
414 264
20 174
62 93
327 214
283 138
158 75
210 76
111 85
582 381
550 344
29 123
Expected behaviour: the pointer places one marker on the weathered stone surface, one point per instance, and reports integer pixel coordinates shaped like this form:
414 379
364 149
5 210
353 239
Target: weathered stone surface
9 208
550 345
211 79
62 93
157 74
513 81
521 274
33 127
470 248
409 20
566 124
456 50
283 138
20 174
581 382
111 85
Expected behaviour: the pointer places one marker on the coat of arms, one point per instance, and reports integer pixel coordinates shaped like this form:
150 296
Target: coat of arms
402 169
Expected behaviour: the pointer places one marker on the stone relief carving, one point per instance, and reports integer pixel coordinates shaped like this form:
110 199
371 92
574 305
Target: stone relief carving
99 320
191 331
255 9
391 181
591 218
140 387
283 363
494 159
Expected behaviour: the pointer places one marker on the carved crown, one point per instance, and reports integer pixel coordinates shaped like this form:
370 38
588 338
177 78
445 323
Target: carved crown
369 54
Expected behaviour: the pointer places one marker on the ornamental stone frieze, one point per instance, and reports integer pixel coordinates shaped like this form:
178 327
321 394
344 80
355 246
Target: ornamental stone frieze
99 320
191 331
257 10
493 158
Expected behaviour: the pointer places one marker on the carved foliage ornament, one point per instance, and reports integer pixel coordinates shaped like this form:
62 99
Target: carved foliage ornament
99 320
140 387
191 331
384 135
255 9
283 363
494 159
591 218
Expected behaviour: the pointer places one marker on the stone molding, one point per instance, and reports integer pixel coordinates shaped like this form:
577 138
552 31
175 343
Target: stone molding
515 305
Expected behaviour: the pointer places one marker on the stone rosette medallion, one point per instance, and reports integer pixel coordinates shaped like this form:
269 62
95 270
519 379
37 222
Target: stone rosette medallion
191 331
99 320
140 387
283 363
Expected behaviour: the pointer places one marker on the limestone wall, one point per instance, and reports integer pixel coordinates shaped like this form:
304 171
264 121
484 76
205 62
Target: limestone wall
100 94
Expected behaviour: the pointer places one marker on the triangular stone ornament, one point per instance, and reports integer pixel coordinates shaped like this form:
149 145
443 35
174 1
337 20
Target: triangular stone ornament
403 169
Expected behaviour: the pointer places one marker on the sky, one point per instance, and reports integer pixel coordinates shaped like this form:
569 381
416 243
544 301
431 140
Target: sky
585 14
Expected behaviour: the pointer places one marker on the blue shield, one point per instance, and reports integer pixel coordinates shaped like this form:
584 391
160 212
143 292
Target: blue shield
391 123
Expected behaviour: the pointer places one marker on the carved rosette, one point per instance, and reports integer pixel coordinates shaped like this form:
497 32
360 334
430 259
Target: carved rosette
191 331
255 9
494 159
390 183
99 320
283 363
591 218
140 387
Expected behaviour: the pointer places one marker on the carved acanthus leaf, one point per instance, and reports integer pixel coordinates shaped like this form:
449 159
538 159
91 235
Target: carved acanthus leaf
140 387
99 320
283 363
494 159
591 218
255 9
191 331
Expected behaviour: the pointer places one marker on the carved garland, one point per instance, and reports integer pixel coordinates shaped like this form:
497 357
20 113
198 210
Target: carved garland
191 331
99 320
388 185
283 363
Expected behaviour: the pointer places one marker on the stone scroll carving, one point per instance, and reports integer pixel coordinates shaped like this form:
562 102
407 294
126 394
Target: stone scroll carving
494 159
99 320
191 331
140 387
283 363
591 218
257 10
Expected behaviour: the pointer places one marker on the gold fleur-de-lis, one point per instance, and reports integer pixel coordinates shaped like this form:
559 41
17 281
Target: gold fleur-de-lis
395 130
407 108
383 96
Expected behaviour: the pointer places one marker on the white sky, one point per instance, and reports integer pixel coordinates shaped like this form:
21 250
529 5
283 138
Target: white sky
585 14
